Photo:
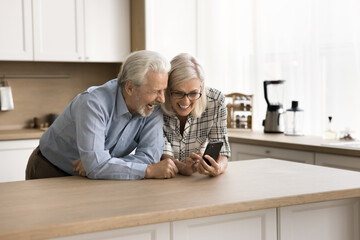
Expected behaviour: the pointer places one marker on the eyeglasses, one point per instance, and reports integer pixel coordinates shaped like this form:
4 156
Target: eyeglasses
181 95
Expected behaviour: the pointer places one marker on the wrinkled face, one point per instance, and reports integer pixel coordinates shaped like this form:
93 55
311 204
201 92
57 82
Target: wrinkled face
184 96
144 99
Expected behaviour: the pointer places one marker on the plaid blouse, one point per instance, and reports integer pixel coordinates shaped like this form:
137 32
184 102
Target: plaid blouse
210 127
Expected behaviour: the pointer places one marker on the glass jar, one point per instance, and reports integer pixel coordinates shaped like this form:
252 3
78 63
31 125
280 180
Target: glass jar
294 120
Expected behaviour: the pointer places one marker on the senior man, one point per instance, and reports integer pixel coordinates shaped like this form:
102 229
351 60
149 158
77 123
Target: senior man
102 126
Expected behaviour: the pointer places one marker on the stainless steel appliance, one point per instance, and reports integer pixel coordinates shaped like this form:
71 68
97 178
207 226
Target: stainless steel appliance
274 94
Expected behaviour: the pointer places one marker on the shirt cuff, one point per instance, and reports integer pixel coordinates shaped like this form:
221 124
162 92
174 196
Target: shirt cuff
138 170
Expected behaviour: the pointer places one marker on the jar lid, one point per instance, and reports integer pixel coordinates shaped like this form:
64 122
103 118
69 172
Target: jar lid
295 107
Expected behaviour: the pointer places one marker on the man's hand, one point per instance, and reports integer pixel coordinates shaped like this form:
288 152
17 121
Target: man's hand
78 167
164 169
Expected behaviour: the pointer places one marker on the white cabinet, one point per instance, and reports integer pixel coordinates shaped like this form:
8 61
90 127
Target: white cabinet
14 156
254 225
58 31
66 30
241 151
16 41
106 30
147 232
334 220
337 161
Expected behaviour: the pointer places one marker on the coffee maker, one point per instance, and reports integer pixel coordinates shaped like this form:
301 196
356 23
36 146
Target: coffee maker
274 93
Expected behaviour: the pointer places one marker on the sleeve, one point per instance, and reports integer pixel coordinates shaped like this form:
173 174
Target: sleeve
218 131
91 121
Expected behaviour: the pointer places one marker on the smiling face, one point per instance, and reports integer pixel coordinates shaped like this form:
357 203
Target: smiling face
143 99
183 107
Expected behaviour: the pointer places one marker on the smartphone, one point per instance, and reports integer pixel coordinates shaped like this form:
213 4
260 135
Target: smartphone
213 150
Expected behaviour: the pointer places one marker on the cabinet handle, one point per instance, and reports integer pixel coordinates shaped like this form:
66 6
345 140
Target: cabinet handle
267 151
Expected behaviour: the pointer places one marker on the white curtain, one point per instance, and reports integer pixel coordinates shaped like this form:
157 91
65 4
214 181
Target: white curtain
314 45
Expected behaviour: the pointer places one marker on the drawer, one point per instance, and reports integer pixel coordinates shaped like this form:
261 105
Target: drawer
247 151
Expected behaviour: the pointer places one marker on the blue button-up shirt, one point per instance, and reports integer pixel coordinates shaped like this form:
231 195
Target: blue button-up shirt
98 128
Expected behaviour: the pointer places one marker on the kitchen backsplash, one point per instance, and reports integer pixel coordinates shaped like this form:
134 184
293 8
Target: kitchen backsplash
39 96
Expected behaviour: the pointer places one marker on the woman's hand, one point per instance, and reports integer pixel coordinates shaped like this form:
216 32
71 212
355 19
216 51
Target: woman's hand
216 168
188 167
191 164
79 168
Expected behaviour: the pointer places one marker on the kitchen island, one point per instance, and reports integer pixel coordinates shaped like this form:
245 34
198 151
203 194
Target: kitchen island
259 190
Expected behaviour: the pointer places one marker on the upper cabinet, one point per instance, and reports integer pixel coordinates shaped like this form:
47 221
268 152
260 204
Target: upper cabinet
69 30
16 41
58 30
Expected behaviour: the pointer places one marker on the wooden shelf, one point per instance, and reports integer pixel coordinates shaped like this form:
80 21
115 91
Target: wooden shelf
240 111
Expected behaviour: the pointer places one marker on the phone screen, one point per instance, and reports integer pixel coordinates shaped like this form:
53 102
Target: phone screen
213 150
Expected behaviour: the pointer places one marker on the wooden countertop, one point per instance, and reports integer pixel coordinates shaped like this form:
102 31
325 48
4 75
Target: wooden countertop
20 134
305 143
56 207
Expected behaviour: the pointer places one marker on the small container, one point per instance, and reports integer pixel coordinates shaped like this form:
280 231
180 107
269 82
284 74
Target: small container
294 120
329 133
237 121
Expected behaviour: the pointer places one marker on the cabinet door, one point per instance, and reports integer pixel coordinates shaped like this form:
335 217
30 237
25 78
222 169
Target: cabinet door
246 151
107 30
16 30
337 161
14 156
334 220
148 232
58 30
254 225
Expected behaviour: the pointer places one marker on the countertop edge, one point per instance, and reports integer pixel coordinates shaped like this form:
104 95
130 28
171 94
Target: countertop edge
20 134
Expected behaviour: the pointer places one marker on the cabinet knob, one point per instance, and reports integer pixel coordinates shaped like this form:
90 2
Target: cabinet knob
267 151
79 58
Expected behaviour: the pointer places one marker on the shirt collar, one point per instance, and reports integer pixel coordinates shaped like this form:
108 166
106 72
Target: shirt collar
121 107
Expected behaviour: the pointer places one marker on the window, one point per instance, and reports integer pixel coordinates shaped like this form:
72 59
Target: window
313 44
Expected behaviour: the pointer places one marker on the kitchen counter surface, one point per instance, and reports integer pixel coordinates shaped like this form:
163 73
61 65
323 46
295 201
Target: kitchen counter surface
305 143
56 207
20 134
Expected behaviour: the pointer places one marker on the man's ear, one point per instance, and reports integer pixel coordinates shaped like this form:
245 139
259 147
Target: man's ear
129 88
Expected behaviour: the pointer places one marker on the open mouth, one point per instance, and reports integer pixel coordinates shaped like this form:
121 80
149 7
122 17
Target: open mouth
184 106
151 105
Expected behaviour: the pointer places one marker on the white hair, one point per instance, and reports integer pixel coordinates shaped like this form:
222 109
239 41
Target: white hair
138 63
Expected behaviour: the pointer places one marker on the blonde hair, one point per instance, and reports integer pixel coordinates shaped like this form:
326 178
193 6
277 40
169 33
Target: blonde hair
138 63
183 68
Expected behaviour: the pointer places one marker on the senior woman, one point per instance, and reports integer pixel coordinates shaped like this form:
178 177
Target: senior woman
193 116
